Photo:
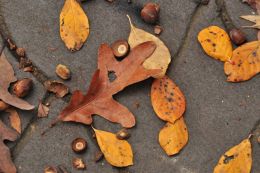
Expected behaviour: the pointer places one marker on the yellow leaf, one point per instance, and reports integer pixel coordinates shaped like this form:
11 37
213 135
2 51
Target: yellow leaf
245 62
161 57
173 137
236 160
117 152
167 99
74 25
216 43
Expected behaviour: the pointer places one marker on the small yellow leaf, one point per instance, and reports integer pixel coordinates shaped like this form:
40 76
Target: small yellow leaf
74 25
245 62
216 43
167 99
236 160
173 137
161 57
117 152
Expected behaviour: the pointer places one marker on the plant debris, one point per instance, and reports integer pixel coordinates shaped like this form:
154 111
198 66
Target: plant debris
150 12
79 164
216 43
23 87
173 137
123 134
98 156
6 164
158 29
56 87
43 110
79 145
74 25
237 159
15 120
117 152
63 71
160 59
98 99
7 73
50 169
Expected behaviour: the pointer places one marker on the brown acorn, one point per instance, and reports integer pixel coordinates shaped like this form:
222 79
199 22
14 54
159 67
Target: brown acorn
122 134
3 105
79 145
150 12
237 36
120 48
22 87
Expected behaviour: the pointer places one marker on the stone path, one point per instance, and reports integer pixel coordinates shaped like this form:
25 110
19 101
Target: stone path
219 114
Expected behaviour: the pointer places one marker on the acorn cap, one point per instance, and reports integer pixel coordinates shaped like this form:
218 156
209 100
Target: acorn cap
120 48
122 134
79 145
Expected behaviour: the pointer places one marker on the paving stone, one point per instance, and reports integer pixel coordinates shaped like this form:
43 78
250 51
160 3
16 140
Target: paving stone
37 29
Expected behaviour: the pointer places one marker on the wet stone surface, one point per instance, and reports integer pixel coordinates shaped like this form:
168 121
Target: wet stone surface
219 114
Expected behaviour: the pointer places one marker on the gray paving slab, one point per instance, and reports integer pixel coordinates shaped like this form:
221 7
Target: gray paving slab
219 114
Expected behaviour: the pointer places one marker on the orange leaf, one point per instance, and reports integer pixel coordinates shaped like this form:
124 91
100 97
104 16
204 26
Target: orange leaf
245 62
167 99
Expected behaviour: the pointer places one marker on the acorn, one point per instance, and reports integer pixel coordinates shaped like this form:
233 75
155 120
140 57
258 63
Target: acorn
79 145
22 87
237 36
150 13
79 164
50 169
122 134
3 105
63 71
120 48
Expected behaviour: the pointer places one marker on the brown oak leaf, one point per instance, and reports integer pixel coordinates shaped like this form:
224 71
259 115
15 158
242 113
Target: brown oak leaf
7 77
6 164
99 98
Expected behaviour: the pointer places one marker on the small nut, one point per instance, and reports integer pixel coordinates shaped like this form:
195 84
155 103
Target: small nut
79 145
20 52
158 29
120 48
150 13
98 156
22 87
50 169
78 163
122 134
63 72
3 105
237 36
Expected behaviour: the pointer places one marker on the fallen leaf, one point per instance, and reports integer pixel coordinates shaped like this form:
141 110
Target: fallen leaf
117 152
99 98
167 99
7 77
245 62
237 159
58 88
161 57
15 120
252 18
173 137
216 43
6 164
43 110
74 25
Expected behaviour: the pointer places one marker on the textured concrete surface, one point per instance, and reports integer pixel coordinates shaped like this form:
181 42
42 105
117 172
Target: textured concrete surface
219 114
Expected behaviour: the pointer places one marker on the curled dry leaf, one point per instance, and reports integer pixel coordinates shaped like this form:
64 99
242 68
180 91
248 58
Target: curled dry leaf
173 137
6 164
99 98
7 77
74 25
237 159
43 110
59 88
216 43
161 57
245 62
117 152
15 120
167 99
252 18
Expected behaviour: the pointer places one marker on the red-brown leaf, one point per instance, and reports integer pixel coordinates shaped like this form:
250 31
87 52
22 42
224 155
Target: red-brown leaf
99 98
6 164
7 77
